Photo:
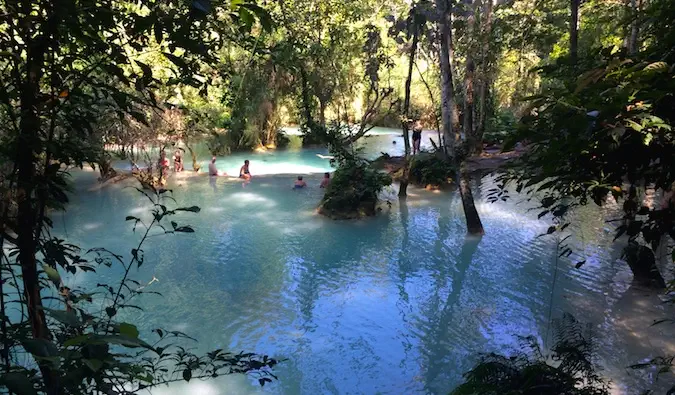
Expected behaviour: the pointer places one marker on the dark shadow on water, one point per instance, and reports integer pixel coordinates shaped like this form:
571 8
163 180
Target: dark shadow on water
435 351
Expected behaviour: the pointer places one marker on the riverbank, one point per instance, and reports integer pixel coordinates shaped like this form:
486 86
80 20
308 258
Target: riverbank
487 162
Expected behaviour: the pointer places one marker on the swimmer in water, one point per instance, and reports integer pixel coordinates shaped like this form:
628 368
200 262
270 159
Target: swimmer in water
326 180
244 171
299 183
213 170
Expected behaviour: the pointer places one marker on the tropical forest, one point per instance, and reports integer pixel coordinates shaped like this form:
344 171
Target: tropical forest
457 197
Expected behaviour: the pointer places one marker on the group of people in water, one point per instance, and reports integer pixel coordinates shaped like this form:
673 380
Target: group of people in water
245 175
245 172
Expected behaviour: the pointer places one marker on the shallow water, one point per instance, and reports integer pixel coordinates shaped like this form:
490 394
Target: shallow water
399 304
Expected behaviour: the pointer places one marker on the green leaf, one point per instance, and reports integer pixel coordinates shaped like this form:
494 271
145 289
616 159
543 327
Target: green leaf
111 311
128 330
193 209
184 229
40 347
187 374
657 67
69 318
53 274
158 33
93 364
121 340
76 340
18 383
176 60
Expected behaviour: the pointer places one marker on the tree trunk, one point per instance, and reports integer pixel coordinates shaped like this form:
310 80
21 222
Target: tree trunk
485 79
469 75
450 120
322 112
27 153
446 78
468 105
574 29
306 98
402 192
633 43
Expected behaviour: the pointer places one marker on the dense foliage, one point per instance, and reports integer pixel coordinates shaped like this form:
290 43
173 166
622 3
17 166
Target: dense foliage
356 183
431 169
569 369
68 69
602 127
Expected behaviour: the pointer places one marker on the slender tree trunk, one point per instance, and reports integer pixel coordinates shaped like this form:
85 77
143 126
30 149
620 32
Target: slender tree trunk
402 192
306 98
485 80
468 104
633 40
27 215
433 105
322 112
469 76
451 120
574 29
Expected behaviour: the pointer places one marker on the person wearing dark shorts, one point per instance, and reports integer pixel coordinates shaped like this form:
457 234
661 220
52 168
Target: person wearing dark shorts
416 137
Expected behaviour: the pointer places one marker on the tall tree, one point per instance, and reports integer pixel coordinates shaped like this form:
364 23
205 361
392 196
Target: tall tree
450 119
633 39
413 20
485 74
574 29
62 64
469 131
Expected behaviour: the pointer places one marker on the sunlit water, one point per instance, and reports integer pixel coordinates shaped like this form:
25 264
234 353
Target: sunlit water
397 304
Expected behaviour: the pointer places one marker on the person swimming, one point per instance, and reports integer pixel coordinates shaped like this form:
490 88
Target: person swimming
178 161
326 180
299 183
244 171
213 170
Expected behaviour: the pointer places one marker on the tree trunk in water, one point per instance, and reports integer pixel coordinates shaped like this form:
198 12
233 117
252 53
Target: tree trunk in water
450 120
403 190
574 29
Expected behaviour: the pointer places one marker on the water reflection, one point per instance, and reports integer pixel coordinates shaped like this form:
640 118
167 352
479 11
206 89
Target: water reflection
400 303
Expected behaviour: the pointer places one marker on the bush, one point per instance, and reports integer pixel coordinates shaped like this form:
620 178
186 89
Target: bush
570 369
353 191
428 169
500 126
281 139
314 134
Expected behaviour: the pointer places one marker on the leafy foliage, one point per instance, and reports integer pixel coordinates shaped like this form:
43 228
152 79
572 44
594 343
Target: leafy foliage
568 370
431 169
90 350
500 127
355 185
607 132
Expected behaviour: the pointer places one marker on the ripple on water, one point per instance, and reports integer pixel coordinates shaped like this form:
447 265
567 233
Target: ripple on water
401 303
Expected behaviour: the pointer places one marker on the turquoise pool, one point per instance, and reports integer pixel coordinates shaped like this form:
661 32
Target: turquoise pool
397 304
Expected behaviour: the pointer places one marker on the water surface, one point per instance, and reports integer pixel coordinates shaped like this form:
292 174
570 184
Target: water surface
397 304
